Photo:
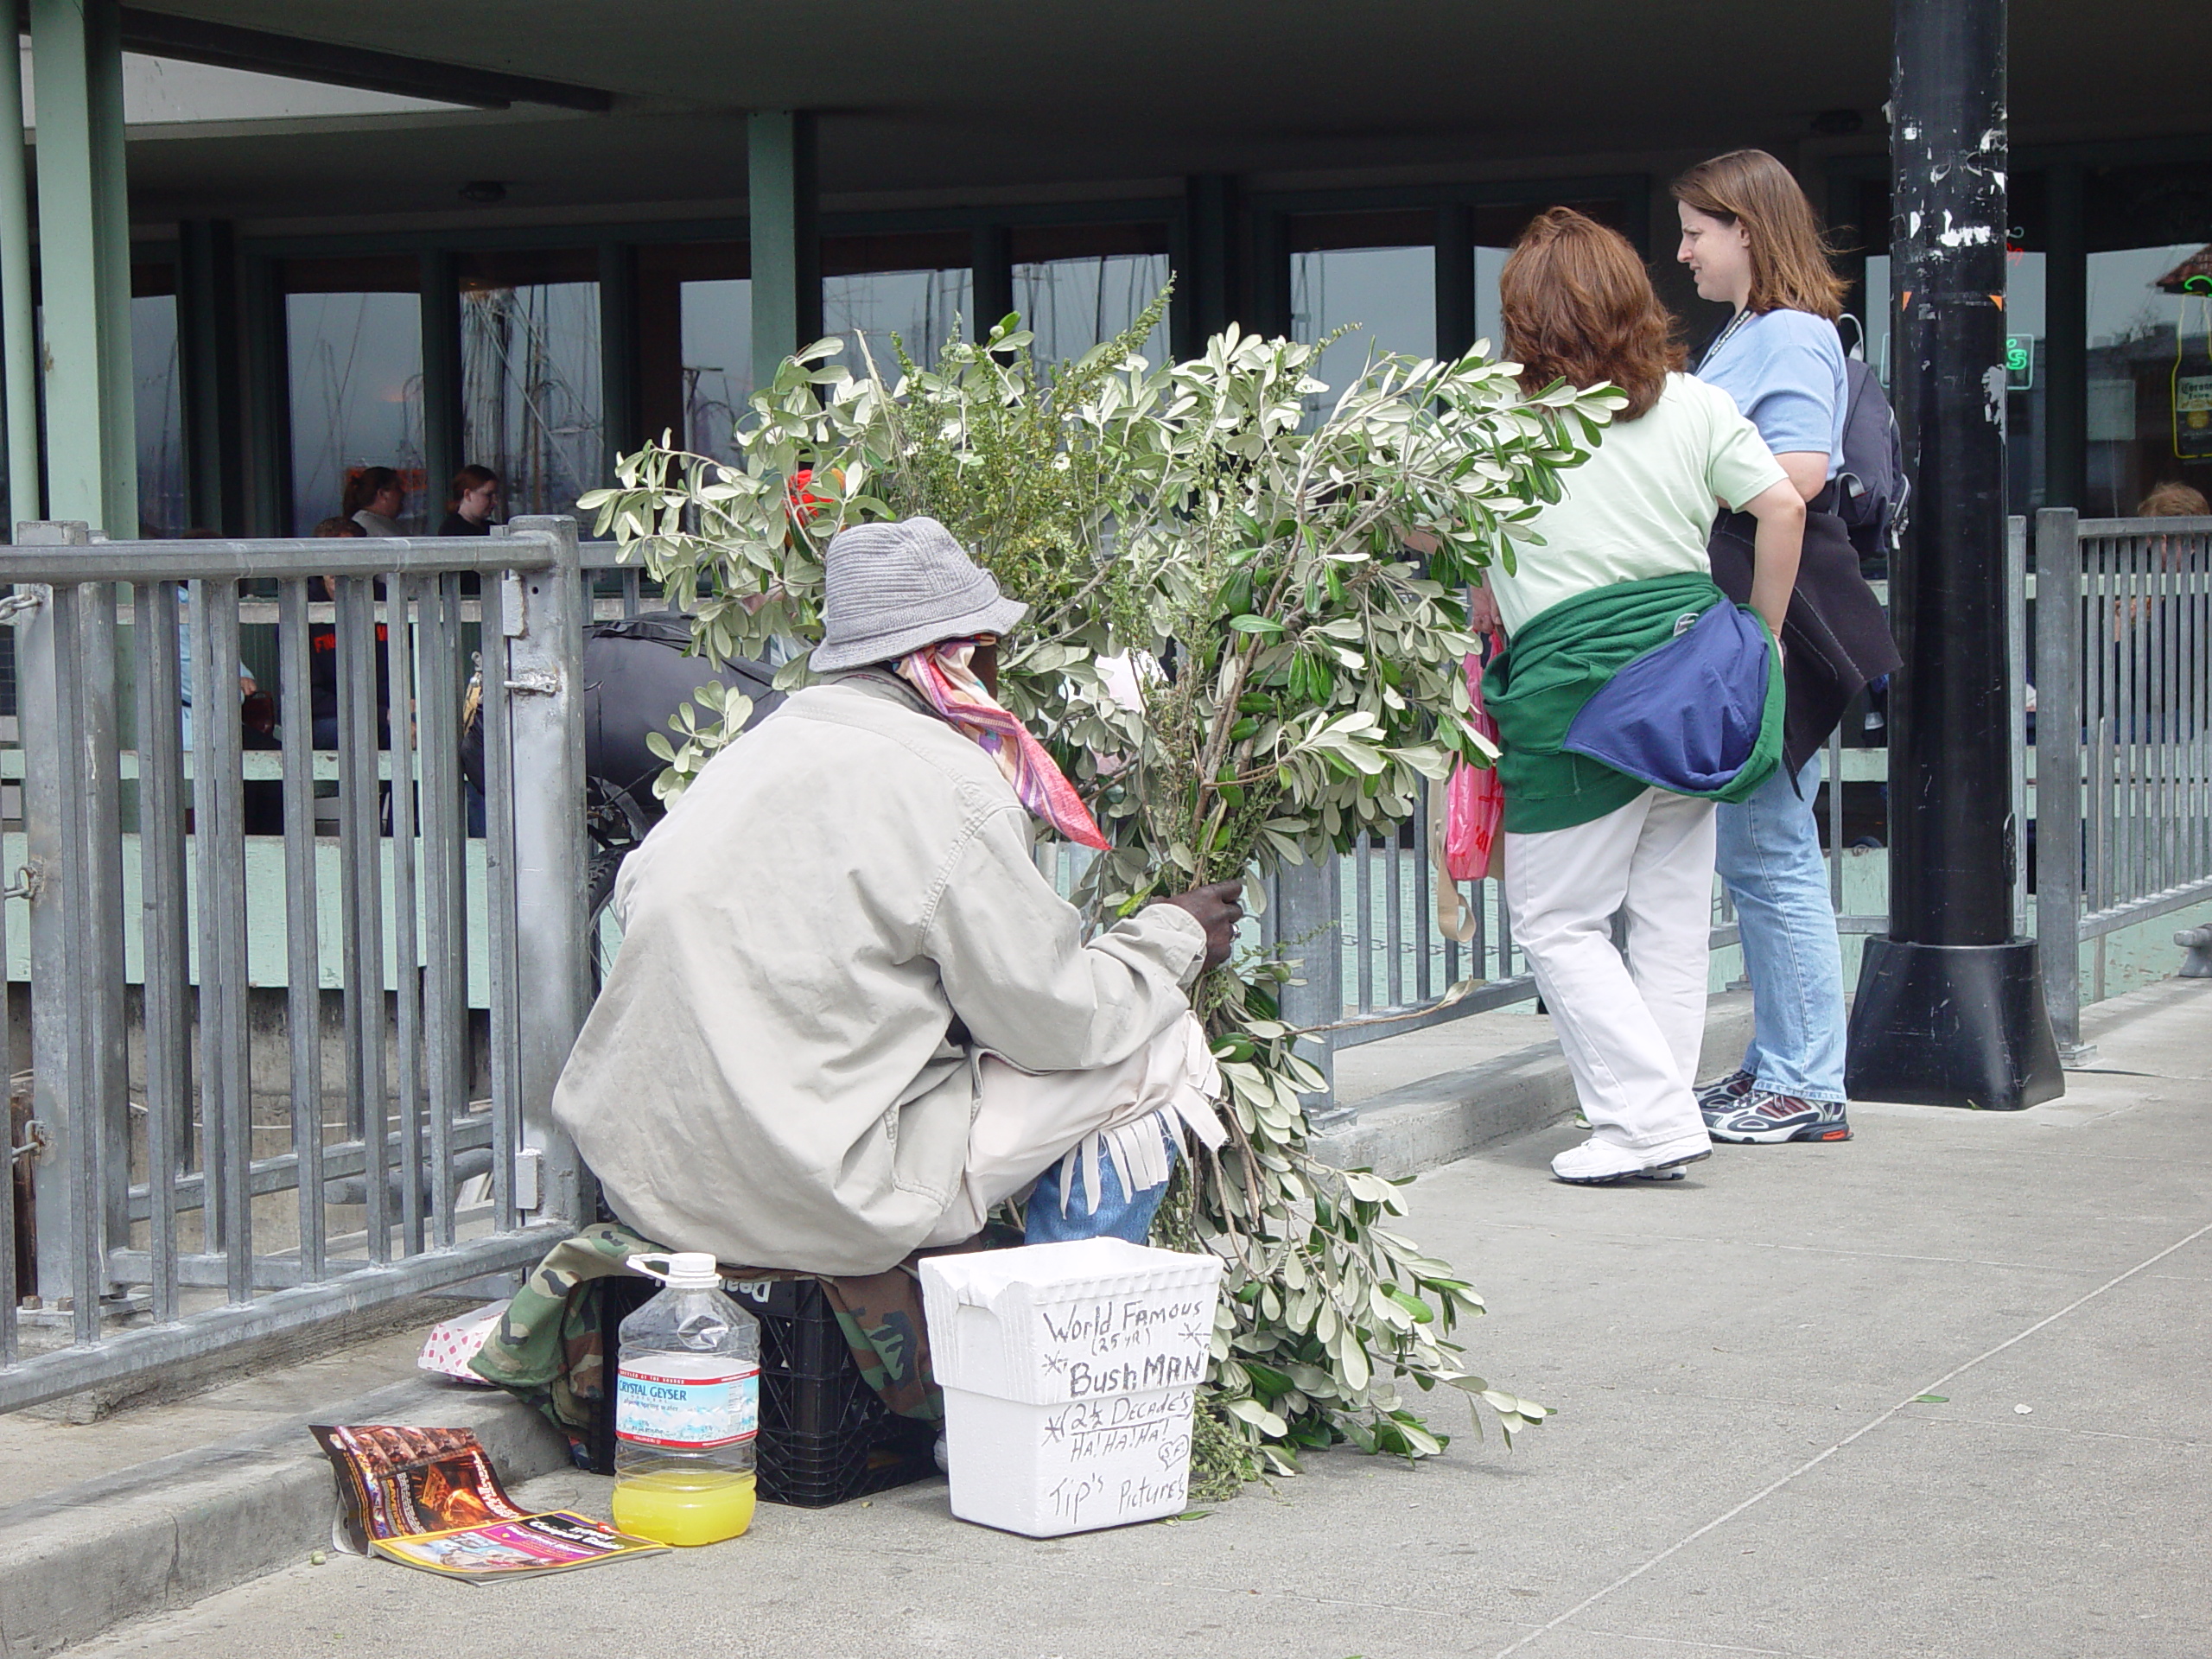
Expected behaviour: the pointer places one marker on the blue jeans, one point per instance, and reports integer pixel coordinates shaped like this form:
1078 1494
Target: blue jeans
1119 1214
1770 857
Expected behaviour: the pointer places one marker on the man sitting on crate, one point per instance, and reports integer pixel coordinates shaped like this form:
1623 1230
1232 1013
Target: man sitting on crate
849 1015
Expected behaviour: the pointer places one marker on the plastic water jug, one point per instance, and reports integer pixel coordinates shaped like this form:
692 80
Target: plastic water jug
687 1407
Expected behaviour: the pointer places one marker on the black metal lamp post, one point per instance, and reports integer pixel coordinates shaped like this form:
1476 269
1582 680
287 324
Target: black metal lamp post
1950 1010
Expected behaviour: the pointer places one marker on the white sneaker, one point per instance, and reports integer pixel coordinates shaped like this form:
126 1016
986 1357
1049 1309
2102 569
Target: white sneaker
1601 1163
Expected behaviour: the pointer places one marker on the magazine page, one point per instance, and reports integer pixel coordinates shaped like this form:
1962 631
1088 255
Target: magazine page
396 1481
428 1498
552 1542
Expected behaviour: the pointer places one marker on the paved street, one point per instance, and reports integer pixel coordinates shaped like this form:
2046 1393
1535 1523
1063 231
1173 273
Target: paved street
1743 1464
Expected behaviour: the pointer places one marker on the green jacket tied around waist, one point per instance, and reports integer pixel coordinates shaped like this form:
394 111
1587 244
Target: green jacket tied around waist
1561 658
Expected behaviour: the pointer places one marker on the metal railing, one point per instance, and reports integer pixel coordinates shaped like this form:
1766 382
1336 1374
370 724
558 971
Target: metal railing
2122 675
2123 705
181 1210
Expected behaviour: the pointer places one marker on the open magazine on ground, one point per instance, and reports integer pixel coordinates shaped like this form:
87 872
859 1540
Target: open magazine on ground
427 1499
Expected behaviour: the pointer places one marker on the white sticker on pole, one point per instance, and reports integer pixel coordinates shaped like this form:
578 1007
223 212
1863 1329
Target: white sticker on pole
687 1405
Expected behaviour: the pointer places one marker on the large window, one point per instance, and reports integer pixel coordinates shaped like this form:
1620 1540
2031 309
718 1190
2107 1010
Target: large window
2149 229
895 292
529 387
1372 275
695 342
717 366
2149 416
1078 286
354 338
164 508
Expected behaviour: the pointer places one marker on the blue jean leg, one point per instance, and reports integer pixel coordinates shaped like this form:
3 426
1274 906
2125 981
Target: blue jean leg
1119 1214
1770 857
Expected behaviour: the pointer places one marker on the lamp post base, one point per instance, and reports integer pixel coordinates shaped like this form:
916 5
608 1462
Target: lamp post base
1952 1024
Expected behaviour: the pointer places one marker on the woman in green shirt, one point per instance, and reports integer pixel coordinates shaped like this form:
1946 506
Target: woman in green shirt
1620 573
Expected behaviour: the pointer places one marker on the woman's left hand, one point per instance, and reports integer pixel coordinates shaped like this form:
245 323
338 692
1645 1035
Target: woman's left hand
1482 615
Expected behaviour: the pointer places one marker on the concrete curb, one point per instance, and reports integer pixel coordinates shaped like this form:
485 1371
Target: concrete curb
1424 1124
159 1536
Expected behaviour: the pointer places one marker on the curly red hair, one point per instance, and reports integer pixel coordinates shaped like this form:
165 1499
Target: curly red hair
1578 306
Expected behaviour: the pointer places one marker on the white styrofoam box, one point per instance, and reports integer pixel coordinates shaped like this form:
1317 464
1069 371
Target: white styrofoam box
1043 1471
1049 1323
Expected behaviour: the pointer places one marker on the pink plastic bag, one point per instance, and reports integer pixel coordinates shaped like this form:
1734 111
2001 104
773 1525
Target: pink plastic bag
1475 808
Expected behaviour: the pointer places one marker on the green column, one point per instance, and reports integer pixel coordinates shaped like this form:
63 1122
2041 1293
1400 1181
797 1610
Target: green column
18 305
786 248
92 469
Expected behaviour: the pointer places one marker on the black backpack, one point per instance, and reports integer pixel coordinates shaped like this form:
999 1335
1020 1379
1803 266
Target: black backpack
1872 489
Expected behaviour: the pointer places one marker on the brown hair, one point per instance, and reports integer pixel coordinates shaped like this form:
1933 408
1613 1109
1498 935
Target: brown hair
365 486
1578 306
471 477
1790 257
338 527
2174 500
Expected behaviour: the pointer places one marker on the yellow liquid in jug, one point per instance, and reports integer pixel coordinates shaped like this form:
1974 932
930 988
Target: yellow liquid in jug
686 1507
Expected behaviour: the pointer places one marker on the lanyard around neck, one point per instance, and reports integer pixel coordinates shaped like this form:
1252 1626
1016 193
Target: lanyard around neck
1724 337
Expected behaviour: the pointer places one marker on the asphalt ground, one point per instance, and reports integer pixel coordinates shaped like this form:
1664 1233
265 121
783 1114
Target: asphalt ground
1939 1390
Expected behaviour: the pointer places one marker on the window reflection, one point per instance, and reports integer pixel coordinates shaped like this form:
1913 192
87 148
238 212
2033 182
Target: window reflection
1072 305
717 364
164 506
917 289
530 375
1344 273
353 340
1078 286
2149 418
887 310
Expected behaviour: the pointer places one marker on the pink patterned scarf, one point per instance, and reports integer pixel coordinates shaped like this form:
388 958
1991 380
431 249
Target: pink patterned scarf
942 674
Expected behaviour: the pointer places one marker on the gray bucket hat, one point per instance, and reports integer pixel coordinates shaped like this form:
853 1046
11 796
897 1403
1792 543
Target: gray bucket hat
890 589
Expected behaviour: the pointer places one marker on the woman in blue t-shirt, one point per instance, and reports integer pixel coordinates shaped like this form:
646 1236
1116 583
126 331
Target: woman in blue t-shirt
1751 239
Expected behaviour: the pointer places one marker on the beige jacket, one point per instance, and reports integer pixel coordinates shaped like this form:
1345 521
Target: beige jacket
776 1071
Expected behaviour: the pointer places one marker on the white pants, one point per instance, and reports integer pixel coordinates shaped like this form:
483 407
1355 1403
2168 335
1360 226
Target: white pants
1630 1029
1027 1122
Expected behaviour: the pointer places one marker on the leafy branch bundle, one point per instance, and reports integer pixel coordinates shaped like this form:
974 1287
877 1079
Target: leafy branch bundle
1239 666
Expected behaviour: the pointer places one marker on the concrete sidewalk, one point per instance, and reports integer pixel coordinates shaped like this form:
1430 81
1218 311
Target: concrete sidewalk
1937 1391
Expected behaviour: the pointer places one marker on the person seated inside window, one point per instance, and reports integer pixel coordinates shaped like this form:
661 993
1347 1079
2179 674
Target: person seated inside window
374 498
472 501
849 1015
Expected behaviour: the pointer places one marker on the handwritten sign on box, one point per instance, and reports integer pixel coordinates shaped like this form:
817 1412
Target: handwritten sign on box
1044 1471
1054 1323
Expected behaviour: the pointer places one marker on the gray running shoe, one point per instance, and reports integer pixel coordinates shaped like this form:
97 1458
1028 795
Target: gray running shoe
1763 1119
1726 1095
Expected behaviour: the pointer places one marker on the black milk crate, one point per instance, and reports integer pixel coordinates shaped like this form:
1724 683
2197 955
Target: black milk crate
826 1435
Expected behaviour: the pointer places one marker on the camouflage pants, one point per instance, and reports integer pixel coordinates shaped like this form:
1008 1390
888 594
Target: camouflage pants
547 1350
